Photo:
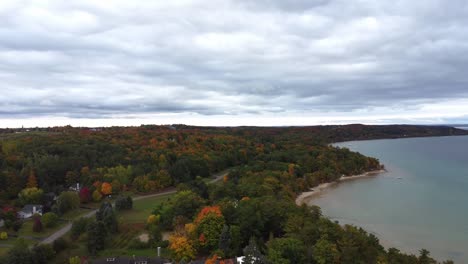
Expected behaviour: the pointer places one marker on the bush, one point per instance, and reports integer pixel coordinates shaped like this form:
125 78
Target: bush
60 245
79 227
97 196
74 260
67 201
17 225
123 203
50 219
37 225
3 236
85 195
42 254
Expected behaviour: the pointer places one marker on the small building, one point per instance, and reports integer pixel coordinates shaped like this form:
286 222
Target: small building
29 210
75 188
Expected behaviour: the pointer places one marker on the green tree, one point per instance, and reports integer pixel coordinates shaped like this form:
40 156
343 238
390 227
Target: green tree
225 241
79 227
325 252
74 260
67 201
236 240
49 219
107 215
186 203
19 253
209 230
424 257
123 203
286 251
32 195
252 254
43 254
97 234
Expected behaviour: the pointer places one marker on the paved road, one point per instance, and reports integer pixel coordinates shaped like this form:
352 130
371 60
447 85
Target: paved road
62 231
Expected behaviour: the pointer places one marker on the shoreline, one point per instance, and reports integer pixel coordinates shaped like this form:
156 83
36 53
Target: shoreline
306 196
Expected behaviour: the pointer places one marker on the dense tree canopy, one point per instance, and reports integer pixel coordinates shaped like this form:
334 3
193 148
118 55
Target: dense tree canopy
252 210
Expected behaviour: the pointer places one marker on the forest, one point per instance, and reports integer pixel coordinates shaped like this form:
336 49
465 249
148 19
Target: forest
251 212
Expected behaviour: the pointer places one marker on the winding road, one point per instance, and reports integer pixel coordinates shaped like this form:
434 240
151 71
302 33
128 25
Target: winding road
62 231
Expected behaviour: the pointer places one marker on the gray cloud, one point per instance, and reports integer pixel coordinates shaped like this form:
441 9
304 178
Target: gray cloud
88 59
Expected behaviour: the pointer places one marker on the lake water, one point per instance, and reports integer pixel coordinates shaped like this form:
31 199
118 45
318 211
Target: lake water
421 202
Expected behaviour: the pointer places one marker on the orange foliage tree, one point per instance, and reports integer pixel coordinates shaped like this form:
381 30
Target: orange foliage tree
106 188
216 210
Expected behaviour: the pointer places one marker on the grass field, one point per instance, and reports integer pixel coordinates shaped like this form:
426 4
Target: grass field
141 209
3 251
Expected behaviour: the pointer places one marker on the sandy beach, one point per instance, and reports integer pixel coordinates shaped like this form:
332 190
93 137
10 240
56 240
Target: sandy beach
305 196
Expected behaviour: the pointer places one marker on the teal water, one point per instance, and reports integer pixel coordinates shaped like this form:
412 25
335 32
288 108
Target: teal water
421 202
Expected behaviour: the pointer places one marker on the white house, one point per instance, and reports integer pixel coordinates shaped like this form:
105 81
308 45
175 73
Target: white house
30 210
75 188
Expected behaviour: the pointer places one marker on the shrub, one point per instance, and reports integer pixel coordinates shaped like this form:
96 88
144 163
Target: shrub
50 219
43 254
123 203
37 225
74 260
85 195
79 227
60 244
67 201
17 225
3 236
97 196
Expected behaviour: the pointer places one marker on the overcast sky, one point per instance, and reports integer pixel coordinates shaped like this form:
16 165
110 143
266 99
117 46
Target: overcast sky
243 62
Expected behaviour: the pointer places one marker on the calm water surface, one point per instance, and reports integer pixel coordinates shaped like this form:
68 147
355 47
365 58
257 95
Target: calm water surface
421 202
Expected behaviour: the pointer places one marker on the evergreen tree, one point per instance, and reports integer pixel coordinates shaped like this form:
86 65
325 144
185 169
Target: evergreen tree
107 216
19 254
225 240
252 254
96 237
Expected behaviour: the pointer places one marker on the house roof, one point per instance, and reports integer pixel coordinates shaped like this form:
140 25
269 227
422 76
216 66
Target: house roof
29 208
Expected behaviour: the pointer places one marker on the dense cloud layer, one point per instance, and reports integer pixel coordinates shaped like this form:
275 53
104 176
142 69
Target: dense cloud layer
344 61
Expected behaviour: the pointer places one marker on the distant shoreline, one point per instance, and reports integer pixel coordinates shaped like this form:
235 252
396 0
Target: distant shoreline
315 191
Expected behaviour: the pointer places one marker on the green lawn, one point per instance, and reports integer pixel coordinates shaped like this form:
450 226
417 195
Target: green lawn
74 214
141 209
148 252
26 229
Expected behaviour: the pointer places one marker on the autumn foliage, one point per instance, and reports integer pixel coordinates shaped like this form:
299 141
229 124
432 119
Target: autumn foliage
85 195
216 210
106 188
181 247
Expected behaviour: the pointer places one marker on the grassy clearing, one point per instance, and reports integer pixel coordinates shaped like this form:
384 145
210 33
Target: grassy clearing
26 229
74 214
127 232
141 209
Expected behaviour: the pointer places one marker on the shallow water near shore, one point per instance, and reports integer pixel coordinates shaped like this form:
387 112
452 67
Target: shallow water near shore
421 202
